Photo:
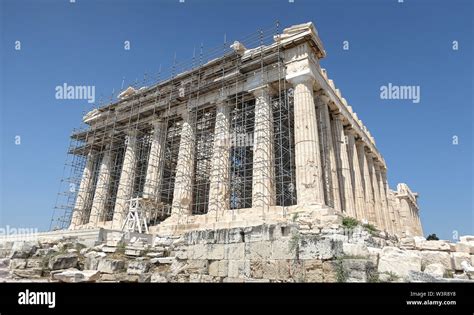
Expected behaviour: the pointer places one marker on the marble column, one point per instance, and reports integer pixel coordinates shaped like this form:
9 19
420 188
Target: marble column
263 181
343 166
366 163
420 227
384 200
84 193
391 209
358 184
102 188
309 184
405 216
379 211
151 189
127 176
183 186
219 194
329 155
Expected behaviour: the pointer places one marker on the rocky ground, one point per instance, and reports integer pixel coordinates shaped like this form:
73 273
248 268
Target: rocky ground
299 251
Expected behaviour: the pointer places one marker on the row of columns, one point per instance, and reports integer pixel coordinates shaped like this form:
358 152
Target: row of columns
333 166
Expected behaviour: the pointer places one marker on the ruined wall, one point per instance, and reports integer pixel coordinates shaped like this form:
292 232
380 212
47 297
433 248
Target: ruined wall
295 251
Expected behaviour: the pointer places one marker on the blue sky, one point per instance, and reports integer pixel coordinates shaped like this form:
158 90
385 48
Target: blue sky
82 43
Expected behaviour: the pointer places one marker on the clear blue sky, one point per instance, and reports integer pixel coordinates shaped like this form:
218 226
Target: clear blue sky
406 43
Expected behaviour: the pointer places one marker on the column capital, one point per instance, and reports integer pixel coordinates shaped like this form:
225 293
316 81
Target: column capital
338 116
130 136
323 95
301 77
360 142
263 89
350 131
158 122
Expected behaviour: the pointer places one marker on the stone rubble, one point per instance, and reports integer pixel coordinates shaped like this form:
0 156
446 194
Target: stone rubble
279 252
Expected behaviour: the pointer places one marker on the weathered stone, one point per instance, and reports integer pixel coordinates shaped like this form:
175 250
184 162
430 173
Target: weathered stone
215 251
330 271
199 251
144 278
297 270
358 270
158 277
4 262
319 248
162 241
374 254
394 260
34 263
63 261
468 269
275 270
110 265
407 243
155 254
74 275
259 250
138 267
434 245
355 250
239 268
28 273
109 249
199 266
218 268
41 252
119 277
467 239
281 249
313 270
464 248
18 263
436 270
234 251
92 260
458 258
23 249
256 269
133 252
163 260
418 276
435 257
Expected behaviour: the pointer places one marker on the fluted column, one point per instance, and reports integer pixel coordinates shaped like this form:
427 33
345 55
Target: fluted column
384 200
366 161
263 181
420 227
102 188
309 185
183 187
84 192
379 211
359 196
127 176
343 166
394 218
329 156
405 216
219 195
154 171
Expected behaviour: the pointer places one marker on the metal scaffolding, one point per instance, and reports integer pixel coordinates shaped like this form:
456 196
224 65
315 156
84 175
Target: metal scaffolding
161 96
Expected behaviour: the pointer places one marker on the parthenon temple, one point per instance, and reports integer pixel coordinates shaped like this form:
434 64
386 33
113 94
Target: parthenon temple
253 131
